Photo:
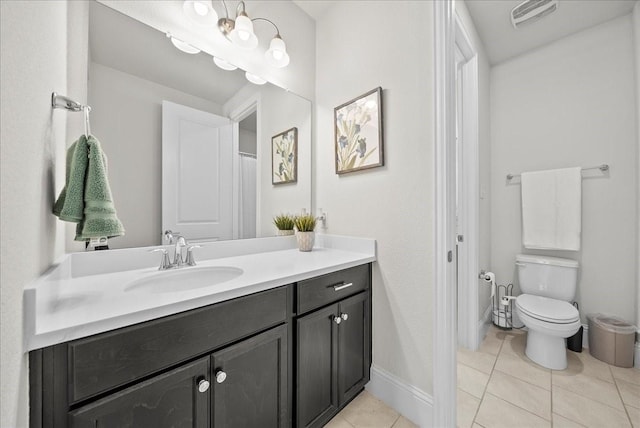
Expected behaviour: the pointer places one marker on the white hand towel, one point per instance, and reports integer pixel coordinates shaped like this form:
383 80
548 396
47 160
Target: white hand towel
552 209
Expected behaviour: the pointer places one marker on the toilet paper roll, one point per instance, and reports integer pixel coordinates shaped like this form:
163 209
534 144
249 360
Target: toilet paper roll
491 277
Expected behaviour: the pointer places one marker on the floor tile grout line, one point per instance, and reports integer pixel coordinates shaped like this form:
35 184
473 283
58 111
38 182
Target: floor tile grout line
522 380
624 406
395 421
489 380
592 399
521 408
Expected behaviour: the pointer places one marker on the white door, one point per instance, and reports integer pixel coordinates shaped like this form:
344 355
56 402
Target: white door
197 173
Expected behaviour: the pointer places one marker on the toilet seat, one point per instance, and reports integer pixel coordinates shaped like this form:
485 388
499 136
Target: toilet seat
547 310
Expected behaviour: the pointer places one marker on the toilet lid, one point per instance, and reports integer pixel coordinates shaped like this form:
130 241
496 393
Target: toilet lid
546 309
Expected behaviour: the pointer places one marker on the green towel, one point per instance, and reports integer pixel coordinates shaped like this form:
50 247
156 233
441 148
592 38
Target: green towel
99 212
70 203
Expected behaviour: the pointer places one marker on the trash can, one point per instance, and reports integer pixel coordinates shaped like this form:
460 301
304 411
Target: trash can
611 339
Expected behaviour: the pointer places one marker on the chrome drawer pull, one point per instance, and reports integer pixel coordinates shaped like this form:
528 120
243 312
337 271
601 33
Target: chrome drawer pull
342 286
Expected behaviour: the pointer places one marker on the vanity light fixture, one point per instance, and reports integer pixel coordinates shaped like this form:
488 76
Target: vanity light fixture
240 33
200 12
256 80
183 46
223 64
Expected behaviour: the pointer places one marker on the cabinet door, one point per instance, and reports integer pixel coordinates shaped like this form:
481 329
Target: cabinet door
172 400
354 345
316 356
250 382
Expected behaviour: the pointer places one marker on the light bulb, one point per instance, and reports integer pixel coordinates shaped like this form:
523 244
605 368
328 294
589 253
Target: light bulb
242 34
223 64
257 80
200 8
200 13
276 55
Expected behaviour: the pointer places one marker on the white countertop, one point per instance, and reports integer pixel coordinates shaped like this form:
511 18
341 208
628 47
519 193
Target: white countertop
84 293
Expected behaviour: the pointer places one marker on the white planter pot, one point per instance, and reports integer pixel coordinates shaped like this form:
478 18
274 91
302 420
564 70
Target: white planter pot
285 232
305 240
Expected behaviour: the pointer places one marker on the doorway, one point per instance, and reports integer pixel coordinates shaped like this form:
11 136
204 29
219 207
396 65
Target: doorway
466 176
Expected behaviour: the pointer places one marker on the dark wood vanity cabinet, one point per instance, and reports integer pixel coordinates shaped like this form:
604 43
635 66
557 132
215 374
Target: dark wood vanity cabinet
173 399
277 359
333 347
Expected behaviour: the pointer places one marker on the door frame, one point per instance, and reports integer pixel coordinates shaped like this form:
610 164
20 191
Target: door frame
237 114
469 210
444 300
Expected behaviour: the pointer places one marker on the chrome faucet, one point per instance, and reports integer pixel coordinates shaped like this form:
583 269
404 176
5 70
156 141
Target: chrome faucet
178 260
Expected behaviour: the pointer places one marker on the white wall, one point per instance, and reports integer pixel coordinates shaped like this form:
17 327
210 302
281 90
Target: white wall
33 59
291 111
394 203
127 119
572 103
636 37
484 151
247 141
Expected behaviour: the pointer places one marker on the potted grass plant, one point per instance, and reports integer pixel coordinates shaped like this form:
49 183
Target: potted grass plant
285 224
305 235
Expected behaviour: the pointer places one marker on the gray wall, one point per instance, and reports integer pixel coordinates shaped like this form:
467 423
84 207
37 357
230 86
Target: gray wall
127 119
38 55
572 103
394 203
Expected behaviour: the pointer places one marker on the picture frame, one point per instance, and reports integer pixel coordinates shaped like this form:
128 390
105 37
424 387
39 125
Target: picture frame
284 157
358 136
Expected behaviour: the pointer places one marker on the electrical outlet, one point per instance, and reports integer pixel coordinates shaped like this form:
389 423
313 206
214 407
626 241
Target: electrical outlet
322 218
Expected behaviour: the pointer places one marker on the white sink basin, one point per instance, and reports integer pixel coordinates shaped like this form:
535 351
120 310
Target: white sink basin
184 279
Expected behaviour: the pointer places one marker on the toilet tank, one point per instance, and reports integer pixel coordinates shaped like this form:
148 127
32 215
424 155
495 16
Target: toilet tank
547 276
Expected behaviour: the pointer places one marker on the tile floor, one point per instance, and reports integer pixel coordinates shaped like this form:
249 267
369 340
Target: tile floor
366 411
498 386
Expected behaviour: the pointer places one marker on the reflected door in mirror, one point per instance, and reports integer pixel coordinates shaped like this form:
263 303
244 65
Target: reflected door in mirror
197 173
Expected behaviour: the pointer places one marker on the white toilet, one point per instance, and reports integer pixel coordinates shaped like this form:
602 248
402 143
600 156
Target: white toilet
548 285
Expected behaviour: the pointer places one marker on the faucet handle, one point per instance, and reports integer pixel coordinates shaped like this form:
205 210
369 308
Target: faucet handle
190 260
165 263
170 235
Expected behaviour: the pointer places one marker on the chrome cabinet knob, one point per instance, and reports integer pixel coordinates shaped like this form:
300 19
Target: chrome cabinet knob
203 385
337 320
220 376
344 317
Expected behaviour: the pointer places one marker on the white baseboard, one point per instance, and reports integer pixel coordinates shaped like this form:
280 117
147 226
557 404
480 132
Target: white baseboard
411 402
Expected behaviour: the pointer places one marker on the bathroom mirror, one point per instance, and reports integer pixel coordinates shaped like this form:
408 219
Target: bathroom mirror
133 69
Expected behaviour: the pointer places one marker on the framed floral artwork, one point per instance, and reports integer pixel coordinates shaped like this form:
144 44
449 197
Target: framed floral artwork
284 157
358 133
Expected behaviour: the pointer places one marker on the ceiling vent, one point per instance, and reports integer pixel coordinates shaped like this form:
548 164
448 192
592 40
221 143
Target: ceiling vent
532 10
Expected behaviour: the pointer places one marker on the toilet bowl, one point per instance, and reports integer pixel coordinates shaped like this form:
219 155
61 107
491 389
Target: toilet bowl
549 322
548 285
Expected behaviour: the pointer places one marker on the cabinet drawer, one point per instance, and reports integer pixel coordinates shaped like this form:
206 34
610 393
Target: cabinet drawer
320 291
108 360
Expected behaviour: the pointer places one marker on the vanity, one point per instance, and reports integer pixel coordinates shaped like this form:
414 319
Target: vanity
280 345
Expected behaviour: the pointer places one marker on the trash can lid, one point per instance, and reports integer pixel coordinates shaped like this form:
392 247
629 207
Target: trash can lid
612 323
